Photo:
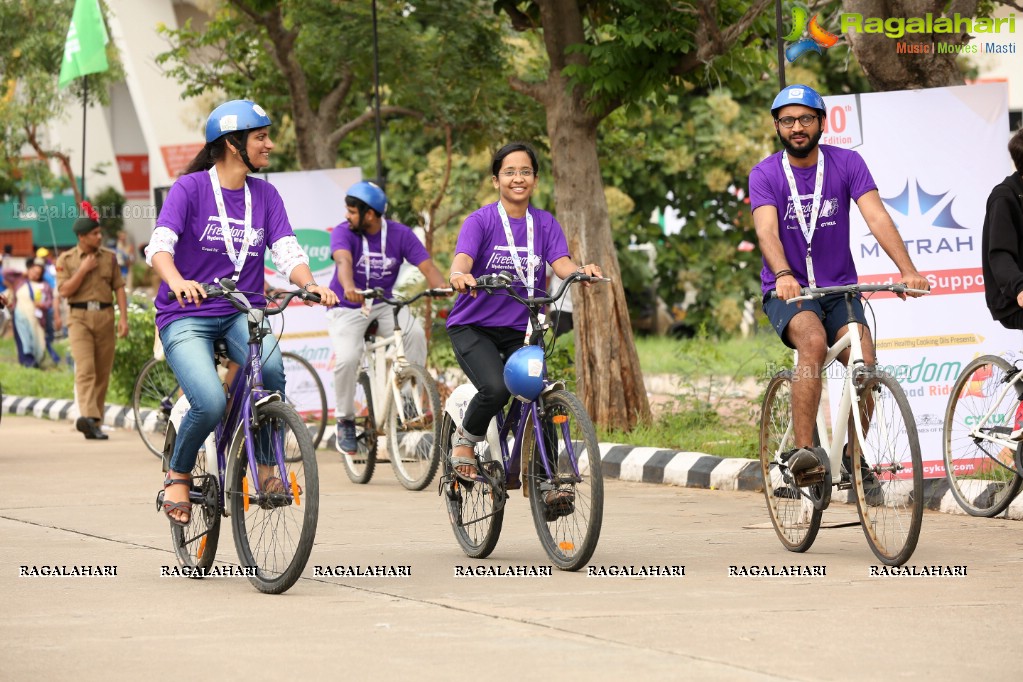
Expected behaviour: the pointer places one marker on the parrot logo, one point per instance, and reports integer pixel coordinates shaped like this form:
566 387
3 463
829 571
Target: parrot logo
818 41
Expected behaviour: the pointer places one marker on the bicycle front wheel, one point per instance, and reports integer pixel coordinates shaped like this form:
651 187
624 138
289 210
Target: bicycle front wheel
152 399
413 429
306 394
274 526
887 472
359 466
475 518
981 472
196 544
568 505
793 516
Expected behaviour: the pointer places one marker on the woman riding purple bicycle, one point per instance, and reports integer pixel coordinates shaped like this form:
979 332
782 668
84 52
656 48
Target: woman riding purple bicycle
218 222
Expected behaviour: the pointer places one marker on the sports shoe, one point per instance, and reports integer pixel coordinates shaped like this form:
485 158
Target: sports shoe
800 459
345 439
1017 433
872 489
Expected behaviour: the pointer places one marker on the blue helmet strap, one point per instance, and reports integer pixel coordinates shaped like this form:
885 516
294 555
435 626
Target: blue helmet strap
240 142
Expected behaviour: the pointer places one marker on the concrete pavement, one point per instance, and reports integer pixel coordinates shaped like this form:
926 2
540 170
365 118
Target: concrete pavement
67 501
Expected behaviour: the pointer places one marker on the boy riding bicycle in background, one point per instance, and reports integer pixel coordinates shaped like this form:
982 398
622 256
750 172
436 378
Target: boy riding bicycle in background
368 251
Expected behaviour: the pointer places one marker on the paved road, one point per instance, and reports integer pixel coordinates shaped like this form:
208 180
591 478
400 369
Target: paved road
66 501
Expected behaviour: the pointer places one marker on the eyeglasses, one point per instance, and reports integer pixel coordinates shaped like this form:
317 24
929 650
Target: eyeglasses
804 120
525 172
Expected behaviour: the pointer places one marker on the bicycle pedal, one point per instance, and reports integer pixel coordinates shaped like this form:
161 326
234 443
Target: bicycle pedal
812 476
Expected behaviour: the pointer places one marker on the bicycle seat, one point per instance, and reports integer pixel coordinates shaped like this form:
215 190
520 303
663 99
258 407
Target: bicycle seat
371 330
220 349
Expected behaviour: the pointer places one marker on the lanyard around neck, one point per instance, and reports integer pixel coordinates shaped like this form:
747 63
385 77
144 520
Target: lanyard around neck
237 257
383 251
519 270
815 207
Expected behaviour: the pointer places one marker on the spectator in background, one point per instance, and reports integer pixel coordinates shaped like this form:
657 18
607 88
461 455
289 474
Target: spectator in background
51 321
33 299
125 251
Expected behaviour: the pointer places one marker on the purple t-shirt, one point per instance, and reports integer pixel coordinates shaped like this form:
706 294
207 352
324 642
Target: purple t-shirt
846 179
483 239
191 212
402 244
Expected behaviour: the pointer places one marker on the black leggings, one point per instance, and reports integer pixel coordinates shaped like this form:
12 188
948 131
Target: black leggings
481 353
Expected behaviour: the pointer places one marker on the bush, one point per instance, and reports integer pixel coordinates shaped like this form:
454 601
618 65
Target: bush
135 350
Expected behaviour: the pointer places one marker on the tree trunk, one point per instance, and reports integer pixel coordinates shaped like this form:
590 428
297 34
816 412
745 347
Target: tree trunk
610 381
886 69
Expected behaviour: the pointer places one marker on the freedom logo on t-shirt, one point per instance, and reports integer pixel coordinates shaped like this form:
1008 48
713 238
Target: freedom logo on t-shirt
212 237
378 265
503 258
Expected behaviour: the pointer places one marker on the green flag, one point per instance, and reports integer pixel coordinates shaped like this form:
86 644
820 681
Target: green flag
85 50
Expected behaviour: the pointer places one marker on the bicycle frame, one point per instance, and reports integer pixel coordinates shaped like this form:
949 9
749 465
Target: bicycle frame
384 357
982 431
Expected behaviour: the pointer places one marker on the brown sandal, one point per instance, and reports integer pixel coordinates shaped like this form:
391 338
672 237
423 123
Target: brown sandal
168 507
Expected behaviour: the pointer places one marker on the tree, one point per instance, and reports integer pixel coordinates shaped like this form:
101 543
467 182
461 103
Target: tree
29 98
602 55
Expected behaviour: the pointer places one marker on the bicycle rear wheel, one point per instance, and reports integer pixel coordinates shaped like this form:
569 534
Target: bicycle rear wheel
152 399
413 428
887 472
793 516
568 510
359 466
306 394
981 474
475 518
196 544
273 532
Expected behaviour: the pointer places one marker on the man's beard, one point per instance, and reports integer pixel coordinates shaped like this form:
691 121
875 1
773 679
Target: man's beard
800 152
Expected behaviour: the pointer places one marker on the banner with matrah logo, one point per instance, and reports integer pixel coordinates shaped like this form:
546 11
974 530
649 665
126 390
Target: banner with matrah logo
935 155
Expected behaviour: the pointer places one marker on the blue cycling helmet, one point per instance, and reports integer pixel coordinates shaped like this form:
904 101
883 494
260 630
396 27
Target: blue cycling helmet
235 116
798 94
370 194
523 373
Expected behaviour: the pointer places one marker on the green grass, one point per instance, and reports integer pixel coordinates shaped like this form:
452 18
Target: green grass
57 382
756 356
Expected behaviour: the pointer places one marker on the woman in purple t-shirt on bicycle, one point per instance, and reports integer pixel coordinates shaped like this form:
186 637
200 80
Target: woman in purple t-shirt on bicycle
506 236
219 222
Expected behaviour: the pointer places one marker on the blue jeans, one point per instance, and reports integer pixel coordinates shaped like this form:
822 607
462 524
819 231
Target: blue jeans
188 345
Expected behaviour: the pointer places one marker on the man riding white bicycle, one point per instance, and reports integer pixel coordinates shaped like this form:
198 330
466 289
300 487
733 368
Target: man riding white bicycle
368 250
800 199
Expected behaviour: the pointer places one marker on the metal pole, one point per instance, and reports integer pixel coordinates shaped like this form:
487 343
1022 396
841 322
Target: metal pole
85 108
376 86
781 51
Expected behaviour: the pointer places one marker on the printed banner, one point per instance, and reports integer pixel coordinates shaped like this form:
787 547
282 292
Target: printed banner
315 201
935 155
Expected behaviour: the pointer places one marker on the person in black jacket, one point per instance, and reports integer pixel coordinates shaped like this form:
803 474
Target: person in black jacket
1002 244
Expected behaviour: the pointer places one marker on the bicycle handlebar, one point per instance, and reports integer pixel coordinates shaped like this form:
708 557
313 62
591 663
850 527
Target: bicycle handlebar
224 287
378 293
810 293
503 281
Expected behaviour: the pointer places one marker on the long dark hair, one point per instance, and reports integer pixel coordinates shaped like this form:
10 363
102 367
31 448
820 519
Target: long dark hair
215 151
510 148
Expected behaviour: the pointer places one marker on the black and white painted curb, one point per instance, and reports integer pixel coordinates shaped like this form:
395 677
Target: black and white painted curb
624 462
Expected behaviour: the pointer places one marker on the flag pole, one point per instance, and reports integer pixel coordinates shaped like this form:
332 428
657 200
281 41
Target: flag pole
85 108
376 98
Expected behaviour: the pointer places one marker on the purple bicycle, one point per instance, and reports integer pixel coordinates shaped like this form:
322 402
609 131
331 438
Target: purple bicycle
544 441
274 525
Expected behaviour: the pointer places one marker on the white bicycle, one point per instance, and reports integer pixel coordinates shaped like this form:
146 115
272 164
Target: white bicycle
397 397
883 469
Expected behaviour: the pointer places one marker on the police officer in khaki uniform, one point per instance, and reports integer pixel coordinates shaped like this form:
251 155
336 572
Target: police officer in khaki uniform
88 276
